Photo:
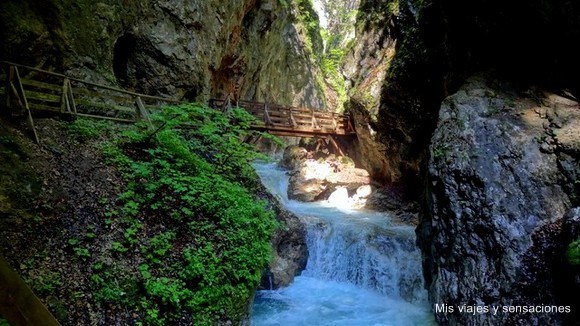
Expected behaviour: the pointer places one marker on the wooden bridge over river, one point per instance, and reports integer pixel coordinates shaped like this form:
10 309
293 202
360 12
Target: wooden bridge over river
31 90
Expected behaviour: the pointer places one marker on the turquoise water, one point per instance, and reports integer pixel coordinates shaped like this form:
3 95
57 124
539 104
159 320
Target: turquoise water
363 269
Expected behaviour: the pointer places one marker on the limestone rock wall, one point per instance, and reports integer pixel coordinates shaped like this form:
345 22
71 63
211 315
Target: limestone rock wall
187 49
502 176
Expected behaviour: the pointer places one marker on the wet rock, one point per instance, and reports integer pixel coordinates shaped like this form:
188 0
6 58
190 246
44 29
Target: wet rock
364 191
292 158
496 199
317 179
393 198
302 189
572 224
290 252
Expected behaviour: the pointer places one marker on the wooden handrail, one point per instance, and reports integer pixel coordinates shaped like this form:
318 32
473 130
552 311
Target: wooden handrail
151 97
290 120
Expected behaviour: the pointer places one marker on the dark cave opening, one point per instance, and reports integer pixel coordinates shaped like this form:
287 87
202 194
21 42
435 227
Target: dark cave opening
123 55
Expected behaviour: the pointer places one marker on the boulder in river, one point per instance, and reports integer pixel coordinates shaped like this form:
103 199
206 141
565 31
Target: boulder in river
313 180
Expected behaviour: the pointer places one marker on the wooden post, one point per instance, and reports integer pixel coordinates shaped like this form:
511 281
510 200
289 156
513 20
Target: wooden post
349 126
142 113
267 115
71 98
64 105
13 90
30 121
318 140
292 120
18 304
314 122
138 113
227 104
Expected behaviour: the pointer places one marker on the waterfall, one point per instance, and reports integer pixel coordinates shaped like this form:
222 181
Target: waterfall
362 269
386 262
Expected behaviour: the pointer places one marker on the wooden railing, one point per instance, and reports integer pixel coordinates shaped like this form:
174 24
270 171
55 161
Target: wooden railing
29 88
293 121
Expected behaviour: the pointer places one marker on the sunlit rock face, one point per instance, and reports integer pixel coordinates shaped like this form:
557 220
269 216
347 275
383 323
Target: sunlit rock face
502 176
184 49
314 180
317 179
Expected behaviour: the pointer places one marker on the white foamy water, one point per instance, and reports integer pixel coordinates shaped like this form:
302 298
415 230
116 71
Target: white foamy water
363 269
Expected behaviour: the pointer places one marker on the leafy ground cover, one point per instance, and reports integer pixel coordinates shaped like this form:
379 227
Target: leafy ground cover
144 224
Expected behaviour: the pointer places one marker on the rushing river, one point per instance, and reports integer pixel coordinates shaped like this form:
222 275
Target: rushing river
362 269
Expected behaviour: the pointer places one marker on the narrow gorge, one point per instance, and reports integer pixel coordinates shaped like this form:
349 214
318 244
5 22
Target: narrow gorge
289 162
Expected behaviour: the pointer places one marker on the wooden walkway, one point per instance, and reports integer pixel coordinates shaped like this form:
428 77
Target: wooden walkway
29 89
284 120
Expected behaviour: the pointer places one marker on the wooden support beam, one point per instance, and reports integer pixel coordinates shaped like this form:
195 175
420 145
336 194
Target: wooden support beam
335 145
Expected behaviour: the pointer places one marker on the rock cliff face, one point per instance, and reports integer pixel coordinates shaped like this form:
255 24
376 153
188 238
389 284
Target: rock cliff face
395 74
502 175
409 54
365 68
189 49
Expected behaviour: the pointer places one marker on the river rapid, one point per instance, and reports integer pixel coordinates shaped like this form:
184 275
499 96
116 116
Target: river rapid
363 268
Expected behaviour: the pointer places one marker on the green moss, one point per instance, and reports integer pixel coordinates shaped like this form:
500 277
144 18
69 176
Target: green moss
331 64
309 19
573 253
19 15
